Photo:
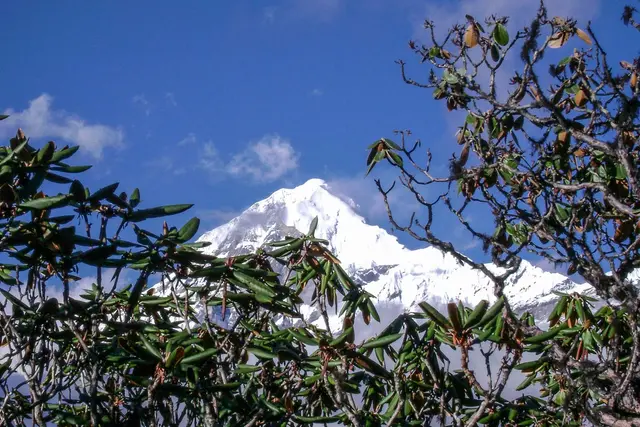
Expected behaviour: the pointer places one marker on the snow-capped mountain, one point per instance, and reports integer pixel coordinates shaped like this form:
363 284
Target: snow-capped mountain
398 277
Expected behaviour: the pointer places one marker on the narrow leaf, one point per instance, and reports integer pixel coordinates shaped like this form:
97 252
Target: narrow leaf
158 212
189 230
435 315
381 341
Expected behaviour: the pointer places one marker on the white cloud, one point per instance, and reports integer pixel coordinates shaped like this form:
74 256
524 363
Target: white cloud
142 101
39 120
266 160
317 92
210 158
171 99
189 139
165 165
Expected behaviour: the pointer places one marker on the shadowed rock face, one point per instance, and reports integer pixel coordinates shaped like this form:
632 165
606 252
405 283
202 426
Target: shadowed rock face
398 277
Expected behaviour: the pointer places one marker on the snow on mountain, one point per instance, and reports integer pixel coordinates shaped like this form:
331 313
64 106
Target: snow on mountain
355 242
394 274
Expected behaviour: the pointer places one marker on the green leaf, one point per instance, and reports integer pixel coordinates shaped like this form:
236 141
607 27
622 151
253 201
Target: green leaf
45 153
495 53
500 35
313 226
369 365
103 192
117 200
526 383
97 256
282 243
247 369
394 158
564 62
621 172
562 213
572 89
64 153
314 420
85 241
32 185
301 336
476 314
14 300
134 199
344 279
254 284
529 366
295 245
158 212
19 148
381 341
135 293
225 387
454 317
188 230
52 177
450 78
199 356
3 116
342 337
373 158
543 336
372 310
46 202
175 357
560 398
150 347
389 143
70 169
492 312
435 315
153 300
261 353
212 273
5 276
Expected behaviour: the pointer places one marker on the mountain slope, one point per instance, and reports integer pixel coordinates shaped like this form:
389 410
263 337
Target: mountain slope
398 277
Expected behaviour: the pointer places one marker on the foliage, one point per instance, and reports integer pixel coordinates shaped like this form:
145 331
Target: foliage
205 348
125 354
554 161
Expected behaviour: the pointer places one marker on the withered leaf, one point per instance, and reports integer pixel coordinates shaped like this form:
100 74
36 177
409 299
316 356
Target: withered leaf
581 98
558 39
626 65
584 36
471 36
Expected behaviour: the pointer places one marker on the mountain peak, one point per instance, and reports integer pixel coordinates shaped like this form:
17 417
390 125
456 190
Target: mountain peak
313 183
290 209
397 277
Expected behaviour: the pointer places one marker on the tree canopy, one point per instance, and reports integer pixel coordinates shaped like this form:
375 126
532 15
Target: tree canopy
549 151
553 161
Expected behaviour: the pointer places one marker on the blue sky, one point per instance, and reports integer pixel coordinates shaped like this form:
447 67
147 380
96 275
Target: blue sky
193 103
